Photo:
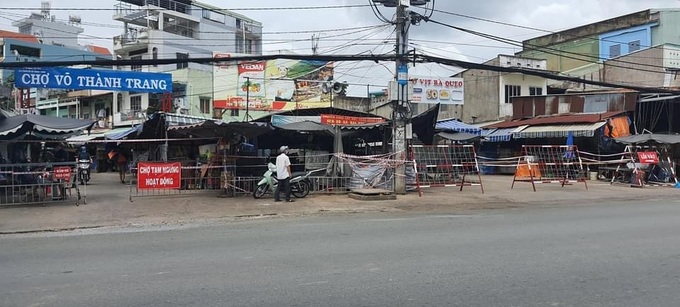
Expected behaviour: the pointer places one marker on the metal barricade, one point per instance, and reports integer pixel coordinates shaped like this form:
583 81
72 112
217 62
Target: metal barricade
39 183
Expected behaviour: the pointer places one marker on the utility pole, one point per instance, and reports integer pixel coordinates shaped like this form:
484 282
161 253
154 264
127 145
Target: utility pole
399 120
401 108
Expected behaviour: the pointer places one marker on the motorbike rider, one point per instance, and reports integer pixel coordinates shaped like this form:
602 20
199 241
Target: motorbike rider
283 174
84 155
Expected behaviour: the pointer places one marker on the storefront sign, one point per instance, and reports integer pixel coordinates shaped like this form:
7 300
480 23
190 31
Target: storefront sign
152 175
648 157
92 79
280 120
62 173
332 119
432 90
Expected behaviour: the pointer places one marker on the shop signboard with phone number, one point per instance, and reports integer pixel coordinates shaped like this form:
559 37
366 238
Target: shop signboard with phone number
436 90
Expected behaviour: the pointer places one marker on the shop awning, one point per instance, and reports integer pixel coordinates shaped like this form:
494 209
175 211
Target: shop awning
458 136
502 134
558 131
183 120
84 138
121 133
458 126
650 138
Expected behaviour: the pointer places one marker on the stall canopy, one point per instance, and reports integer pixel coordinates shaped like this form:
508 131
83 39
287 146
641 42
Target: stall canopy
502 134
216 128
14 126
458 126
459 136
650 138
558 131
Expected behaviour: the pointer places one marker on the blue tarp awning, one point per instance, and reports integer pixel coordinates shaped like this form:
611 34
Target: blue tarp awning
502 134
458 126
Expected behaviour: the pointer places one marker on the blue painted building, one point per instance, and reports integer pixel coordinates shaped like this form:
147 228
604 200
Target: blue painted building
621 42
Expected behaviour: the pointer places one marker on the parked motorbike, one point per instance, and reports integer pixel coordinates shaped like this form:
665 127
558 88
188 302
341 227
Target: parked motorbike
83 171
300 183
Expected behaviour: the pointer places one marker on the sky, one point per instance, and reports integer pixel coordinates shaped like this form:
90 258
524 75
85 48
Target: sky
495 17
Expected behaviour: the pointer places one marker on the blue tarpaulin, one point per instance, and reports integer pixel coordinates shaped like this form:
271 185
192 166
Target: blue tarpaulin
458 126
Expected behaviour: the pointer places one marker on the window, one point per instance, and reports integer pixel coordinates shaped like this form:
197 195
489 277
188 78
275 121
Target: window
182 56
634 46
136 103
535 91
205 104
134 67
512 91
154 55
234 112
25 51
614 50
119 102
248 46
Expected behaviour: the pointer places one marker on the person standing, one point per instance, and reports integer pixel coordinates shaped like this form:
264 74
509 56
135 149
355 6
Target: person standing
283 174
121 164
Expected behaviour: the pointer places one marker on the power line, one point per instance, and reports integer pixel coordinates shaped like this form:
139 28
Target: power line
545 49
283 8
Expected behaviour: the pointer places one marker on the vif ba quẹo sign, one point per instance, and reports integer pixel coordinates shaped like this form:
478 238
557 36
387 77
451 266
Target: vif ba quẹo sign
152 175
434 90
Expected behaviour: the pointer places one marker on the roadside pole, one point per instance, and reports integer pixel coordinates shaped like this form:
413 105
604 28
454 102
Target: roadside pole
401 111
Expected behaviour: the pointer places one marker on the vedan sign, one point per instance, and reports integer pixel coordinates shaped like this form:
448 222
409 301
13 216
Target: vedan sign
434 90
91 79
272 85
159 175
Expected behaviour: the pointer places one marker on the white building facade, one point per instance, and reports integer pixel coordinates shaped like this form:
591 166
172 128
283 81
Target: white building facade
178 29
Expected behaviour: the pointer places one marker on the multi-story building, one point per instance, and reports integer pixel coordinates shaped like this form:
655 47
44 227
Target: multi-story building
488 94
604 40
181 29
43 38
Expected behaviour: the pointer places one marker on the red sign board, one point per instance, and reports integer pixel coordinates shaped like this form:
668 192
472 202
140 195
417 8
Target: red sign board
151 175
649 157
62 173
332 119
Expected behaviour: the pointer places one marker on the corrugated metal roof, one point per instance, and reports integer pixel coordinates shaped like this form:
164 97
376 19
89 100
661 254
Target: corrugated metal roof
580 118
558 131
19 36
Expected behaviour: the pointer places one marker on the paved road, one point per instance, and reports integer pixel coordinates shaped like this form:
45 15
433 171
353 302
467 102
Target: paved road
605 254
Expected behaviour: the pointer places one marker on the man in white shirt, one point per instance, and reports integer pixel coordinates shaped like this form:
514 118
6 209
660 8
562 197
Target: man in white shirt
283 174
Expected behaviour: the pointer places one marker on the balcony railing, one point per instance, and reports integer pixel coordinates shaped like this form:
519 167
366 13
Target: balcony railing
125 9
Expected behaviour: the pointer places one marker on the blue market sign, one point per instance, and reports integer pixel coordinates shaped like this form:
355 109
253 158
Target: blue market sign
91 79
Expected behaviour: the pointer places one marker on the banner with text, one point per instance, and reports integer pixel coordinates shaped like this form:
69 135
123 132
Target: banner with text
92 79
272 85
341 120
438 90
151 175
648 157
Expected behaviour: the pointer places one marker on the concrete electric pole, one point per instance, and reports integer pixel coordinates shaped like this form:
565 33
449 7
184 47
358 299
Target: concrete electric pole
401 111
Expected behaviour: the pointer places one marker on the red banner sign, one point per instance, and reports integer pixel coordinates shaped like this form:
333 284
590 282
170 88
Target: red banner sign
332 119
62 173
152 175
649 157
